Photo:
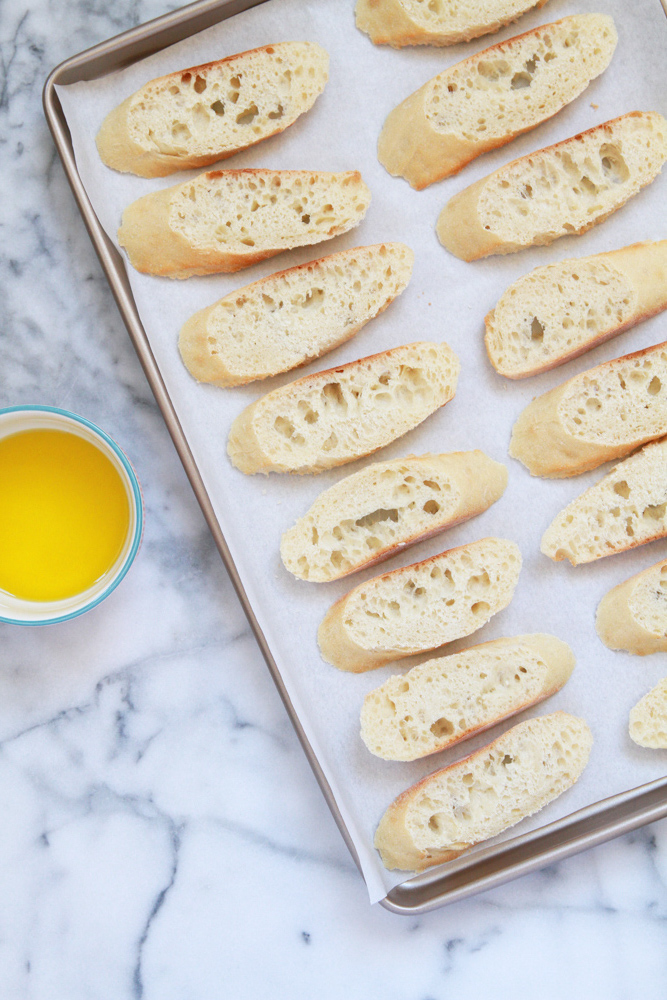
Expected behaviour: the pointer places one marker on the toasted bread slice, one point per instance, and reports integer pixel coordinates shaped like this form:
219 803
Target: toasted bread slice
558 191
225 220
372 514
633 615
626 508
601 414
420 607
294 316
413 22
557 312
490 98
206 113
450 811
336 416
449 699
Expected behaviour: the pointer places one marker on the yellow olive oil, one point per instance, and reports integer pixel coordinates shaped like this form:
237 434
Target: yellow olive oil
64 514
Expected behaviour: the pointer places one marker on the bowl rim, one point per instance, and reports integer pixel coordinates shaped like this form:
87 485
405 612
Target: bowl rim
138 506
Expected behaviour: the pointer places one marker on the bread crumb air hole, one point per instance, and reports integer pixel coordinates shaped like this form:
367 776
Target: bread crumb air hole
442 727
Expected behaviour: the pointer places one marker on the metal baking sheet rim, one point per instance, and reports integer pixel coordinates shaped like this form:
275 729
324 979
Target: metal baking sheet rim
470 874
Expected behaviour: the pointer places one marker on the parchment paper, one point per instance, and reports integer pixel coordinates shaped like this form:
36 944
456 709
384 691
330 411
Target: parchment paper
446 300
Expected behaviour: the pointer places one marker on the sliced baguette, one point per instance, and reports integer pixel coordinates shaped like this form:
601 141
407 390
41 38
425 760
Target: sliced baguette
342 414
479 797
560 311
413 22
601 414
490 98
206 113
648 719
557 191
447 700
385 507
420 607
626 508
225 220
290 318
633 615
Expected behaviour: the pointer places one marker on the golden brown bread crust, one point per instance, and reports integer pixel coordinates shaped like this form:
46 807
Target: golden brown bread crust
394 842
410 147
460 231
196 354
538 437
154 248
337 648
644 265
118 150
616 625
243 446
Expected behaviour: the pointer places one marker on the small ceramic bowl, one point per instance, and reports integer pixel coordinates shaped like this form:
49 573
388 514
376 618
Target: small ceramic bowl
16 611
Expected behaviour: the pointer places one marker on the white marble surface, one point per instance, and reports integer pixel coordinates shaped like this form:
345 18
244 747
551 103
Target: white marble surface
162 835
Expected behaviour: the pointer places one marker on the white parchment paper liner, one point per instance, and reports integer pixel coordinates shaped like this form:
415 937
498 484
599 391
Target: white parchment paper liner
446 300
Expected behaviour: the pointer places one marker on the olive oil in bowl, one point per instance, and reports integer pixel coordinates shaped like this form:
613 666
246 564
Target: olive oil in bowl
64 515
71 515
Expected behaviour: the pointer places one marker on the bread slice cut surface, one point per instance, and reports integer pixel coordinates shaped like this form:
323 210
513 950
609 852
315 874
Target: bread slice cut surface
374 513
633 615
493 96
342 414
413 22
225 220
420 607
599 415
648 719
484 794
561 190
451 698
290 318
628 507
206 113
557 312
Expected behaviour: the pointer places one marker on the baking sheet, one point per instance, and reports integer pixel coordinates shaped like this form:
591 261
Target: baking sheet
447 299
